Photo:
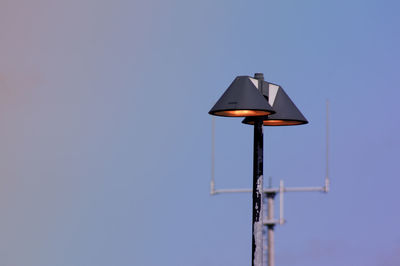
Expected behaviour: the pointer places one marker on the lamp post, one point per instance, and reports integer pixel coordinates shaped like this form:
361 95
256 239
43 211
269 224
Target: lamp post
261 103
258 160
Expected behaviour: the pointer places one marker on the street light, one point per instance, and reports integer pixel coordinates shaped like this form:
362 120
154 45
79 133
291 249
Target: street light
261 103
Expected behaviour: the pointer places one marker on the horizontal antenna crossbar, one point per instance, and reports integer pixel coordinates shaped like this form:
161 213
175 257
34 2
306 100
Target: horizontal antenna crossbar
272 190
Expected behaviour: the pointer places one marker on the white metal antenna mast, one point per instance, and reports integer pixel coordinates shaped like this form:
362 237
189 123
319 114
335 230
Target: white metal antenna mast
212 184
270 193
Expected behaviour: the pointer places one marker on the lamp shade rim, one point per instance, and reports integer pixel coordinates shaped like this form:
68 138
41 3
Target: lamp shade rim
256 112
277 122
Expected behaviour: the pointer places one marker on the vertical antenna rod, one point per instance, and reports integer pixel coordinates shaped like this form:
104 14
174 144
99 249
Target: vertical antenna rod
270 228
281 190
212 184
326 188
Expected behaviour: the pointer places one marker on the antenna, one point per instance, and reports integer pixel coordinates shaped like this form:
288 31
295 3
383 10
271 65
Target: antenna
212 183
269 193
327 148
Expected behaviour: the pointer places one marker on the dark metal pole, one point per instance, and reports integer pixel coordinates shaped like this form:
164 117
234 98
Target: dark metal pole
257 227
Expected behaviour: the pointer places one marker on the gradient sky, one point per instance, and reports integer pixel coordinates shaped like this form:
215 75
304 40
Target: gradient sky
105 136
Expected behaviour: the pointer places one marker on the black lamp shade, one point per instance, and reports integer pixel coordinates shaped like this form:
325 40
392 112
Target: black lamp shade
287 114
242 99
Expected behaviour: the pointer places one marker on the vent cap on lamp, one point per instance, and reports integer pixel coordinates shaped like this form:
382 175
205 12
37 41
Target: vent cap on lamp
287 114
242 99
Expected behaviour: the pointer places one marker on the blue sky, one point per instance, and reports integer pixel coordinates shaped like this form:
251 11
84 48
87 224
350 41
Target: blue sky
106 140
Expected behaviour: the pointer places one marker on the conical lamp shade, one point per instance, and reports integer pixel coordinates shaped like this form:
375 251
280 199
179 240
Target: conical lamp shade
242 99
287 114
